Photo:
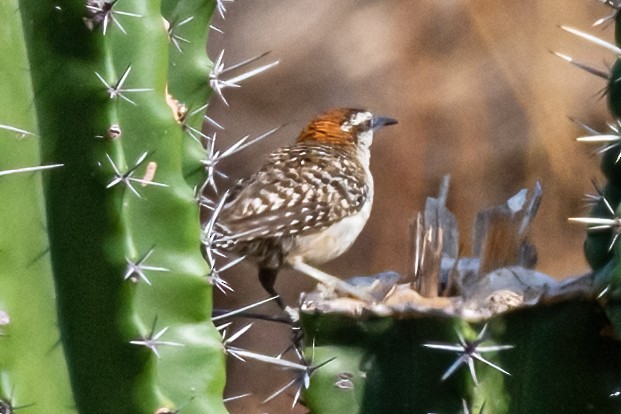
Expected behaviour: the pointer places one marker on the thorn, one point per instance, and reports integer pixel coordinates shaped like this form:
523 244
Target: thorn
242 310
237 397
594 71
305 371
127 177
211 121
602 224
7 407
211 238
221 6
584 126
610 141
599 139
592 199
214 157
468 351
605 21
218 84
22 132
102 12
30 169
593 39
152 341
216 29
194 133
226 342
217 281
117 90
136 270
174 38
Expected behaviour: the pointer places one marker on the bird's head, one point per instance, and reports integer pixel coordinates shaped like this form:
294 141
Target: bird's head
344 126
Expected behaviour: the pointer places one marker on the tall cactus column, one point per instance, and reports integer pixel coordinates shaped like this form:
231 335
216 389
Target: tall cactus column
120 234
602 247
29 349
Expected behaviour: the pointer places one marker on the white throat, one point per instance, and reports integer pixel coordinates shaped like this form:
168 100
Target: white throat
365 139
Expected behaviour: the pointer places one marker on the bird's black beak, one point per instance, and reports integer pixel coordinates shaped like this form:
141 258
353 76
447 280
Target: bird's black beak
382 121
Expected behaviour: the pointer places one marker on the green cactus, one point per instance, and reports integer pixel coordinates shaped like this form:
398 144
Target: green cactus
104 302
558 363
492 336
602 248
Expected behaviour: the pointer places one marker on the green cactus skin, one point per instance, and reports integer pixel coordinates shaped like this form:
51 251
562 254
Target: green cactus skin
93 224
189 70
29 349
562 362
597 244
602 249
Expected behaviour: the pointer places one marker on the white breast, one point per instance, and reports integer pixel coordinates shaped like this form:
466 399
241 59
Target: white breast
335 240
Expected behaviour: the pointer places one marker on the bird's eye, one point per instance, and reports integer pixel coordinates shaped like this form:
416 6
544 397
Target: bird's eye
361 119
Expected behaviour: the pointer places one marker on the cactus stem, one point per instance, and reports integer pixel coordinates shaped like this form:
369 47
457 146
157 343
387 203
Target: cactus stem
464 404
30 169
152 341
117 90
469 351
165 410
102 13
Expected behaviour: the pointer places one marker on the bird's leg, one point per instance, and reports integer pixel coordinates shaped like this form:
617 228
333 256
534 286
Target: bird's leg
267 277
329 280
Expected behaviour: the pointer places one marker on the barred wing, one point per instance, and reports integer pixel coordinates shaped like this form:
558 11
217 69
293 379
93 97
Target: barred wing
300 190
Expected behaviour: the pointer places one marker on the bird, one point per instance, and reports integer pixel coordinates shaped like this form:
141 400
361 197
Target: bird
309 201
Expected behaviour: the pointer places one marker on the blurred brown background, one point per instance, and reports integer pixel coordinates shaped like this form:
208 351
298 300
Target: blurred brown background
477 94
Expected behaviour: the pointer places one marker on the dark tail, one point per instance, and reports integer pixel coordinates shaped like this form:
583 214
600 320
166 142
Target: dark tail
267 277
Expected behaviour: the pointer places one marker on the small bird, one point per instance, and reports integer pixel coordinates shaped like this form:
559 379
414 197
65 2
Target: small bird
309 202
